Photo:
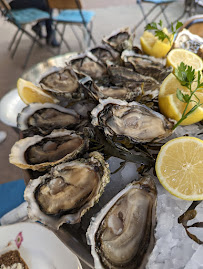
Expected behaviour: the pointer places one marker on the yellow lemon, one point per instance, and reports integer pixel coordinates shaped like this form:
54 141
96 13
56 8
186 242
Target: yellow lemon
30 93
176 56
179 167
172 107
151 45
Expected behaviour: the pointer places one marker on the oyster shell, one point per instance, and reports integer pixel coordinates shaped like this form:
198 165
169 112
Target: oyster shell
122 233
40 152
146 65
186 40
119 39
104 89
105 54
88 64
68 191
44 118
133 120
124 76
62 83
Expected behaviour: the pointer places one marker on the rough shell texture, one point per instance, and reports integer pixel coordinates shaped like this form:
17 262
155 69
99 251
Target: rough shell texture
122 233
95 163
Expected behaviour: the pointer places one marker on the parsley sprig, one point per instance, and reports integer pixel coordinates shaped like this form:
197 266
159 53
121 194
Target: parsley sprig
158 28
186 76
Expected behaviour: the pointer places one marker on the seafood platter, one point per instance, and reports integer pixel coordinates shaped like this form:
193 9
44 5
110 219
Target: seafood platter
90 158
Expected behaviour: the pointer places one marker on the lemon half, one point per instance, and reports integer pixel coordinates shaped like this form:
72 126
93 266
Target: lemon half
179 167
176 56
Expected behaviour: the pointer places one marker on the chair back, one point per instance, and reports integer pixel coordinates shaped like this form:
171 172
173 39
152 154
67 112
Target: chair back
4 5
6 10
65 4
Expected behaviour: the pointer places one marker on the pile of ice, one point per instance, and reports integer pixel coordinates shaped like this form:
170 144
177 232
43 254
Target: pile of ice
173 248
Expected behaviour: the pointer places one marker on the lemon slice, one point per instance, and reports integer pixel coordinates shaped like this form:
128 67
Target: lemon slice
172 107
151 45
179 167
176 56
29 93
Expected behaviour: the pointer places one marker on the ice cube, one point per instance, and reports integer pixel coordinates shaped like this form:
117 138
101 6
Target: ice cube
129 172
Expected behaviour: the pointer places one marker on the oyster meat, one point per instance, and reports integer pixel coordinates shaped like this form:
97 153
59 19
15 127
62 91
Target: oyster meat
133 120
124 76
119 39
122 233
186 40
146 65
62 83
105 54
103 89
68 191
40 152
44 118
88 64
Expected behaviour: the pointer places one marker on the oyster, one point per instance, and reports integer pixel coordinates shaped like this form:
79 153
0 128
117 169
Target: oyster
133 120
38 152
119 40
62 83
68 191
44 118
103 89
121 75
88 64
146 65
186 40
122 234
105 54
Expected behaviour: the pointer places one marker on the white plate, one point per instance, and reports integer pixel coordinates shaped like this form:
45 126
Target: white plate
10 106
40 247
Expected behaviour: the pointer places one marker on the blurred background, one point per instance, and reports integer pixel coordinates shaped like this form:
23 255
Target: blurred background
109 16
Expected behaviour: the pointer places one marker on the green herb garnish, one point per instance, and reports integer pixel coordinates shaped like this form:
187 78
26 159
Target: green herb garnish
158 28
186 76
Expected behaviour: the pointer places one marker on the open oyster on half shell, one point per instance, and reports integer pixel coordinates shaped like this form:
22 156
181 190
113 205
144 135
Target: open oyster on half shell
104 88
68 191
42 119
119 39
88 65
146 65
62 83
186 40
132 120
122 233
105 54
41 152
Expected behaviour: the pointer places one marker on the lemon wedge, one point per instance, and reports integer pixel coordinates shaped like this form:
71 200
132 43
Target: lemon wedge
151 45
172 107
30 93
179 167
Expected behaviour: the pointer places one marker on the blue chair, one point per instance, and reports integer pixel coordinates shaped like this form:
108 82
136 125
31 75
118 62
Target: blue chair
21 18
158 4
71 13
